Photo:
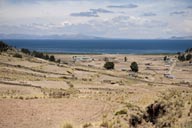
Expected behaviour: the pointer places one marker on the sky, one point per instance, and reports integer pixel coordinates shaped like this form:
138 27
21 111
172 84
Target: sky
131 19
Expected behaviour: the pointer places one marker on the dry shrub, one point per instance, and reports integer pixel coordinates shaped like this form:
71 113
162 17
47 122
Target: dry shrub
67 125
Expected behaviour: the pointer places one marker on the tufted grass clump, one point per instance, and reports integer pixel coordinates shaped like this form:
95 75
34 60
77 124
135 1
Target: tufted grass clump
67 125
121 112
87 125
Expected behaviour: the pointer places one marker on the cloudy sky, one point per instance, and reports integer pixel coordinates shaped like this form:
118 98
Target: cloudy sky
102 18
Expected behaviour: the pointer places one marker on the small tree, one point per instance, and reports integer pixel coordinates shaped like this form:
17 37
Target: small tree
181 57
134 67
125 59
3 46
188 50
52 58
26 51
109 65
38 54
47 57
165 58
188 57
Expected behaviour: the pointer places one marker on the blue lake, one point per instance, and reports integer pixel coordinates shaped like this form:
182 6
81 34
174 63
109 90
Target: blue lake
104 46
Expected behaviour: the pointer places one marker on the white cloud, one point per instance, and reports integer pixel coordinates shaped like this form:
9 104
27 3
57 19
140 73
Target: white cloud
123 6
121 19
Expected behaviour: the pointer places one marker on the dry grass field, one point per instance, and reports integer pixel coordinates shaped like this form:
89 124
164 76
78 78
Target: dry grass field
36 93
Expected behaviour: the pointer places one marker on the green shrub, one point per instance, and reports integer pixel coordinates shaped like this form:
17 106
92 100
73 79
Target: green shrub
38 54
188 50
125 59
188 57
26 51
52 58
47 57
134 67
134 121
109 65
165 58
43 56
3 46
181 57
17 55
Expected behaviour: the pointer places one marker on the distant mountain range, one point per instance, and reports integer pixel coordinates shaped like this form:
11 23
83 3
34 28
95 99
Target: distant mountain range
73 37
181 37
59 37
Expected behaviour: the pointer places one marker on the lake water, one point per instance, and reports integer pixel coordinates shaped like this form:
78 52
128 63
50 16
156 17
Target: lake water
104 46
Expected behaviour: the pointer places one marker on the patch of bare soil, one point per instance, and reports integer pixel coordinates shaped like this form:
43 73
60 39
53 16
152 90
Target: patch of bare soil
49 113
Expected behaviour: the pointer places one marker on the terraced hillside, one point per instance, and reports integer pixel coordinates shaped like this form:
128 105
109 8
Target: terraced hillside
39 93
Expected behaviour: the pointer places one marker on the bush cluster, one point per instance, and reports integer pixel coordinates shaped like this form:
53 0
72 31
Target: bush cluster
186 56
165 58
41 55
188 50
26 51
109 65
3 46
17 55
134 67
183 57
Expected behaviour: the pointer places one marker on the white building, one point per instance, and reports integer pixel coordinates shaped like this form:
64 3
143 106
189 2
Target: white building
82 58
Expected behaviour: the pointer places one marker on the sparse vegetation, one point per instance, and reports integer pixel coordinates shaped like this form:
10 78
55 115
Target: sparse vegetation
121 112
38 54
188 50
165 58
45 56
52 58
106 59
120 99
134 121
125 59
26 51
67 125
188 57
153 112
181 57
55 93
109 65
3 46
105 124
134 67
87 125
17 55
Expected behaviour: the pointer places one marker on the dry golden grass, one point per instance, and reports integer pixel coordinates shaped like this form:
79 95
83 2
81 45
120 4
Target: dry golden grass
119 94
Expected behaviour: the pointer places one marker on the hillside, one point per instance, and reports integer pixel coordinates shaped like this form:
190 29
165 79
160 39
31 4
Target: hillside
37 92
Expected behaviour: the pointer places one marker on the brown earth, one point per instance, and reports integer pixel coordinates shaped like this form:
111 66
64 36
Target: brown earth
35 93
